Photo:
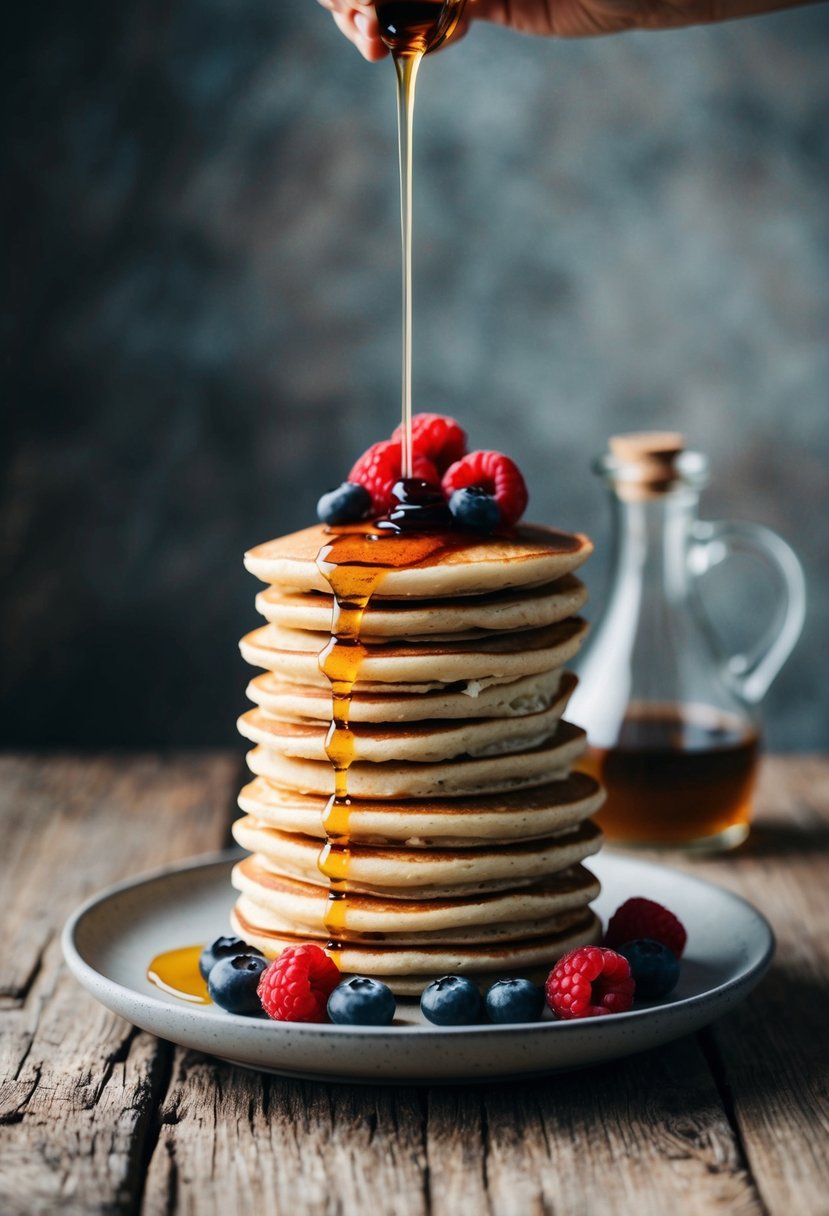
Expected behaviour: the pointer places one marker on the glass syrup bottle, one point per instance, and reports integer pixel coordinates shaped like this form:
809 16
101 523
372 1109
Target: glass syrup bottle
671 718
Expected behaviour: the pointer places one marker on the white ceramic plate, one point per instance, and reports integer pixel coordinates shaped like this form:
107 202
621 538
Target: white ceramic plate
111 939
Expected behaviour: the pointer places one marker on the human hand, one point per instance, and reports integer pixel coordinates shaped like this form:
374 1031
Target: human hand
557 18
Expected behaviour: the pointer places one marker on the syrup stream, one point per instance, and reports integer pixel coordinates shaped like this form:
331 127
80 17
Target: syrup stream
406 66
409 31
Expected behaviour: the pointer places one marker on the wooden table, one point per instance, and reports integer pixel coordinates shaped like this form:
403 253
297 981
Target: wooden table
100 1117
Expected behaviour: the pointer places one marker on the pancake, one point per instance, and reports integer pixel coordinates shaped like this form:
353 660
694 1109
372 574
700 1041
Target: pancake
510 931
456 778
533 557
408 969
489 819
294 654
395 871
527 695
443 618
460 846
419 741
281 901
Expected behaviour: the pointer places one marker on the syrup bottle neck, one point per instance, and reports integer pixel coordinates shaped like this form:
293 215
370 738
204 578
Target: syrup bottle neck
650 542
654 485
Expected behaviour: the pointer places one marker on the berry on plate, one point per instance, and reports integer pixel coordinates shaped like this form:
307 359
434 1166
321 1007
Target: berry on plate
473 507
494 473
296 986
361 1001
222 947
589 982
638 918
233 982
514 1000
452 1000
379 469
437 437
346 504
654 967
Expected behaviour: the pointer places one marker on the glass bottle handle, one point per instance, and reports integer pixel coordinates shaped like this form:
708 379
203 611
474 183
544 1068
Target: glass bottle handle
712 541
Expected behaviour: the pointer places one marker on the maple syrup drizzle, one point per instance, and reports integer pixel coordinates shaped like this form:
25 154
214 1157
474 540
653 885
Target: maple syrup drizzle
176 972
354 564
406 68
410 30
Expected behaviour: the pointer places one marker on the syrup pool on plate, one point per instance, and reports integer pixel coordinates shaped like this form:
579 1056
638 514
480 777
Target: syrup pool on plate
176 972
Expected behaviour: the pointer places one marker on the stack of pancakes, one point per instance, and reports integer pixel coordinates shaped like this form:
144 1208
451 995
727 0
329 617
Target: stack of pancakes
466 827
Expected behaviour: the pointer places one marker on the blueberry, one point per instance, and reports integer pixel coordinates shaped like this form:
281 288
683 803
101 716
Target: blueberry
345 505
223 947
472 507
233 982
451 1001
514 1001
653 966
362 1002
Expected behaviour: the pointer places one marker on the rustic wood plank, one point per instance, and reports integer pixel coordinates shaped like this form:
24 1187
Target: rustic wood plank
646 1135
80 1086
772 1054
235 1141
232 1141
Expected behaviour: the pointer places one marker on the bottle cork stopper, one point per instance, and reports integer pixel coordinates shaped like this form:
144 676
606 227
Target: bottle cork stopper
649 460
647 445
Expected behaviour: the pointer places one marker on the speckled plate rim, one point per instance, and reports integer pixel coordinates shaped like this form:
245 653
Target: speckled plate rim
720 969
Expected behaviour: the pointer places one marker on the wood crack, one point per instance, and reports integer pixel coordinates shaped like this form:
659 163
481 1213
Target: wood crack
486 1145
15 994
159 1088
717 1069
119 1055
18 1113
422 1100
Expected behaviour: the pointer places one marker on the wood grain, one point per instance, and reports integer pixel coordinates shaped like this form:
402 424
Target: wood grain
102 1118
236 1141
772 1053
80 1087
654 1125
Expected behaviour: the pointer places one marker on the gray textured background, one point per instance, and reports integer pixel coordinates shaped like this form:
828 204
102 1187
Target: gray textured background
202 317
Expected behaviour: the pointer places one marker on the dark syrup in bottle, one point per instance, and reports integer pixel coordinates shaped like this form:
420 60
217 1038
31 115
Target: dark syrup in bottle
416 28
675 776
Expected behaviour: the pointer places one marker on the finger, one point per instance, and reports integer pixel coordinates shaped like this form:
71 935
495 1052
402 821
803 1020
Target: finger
360 27
368 30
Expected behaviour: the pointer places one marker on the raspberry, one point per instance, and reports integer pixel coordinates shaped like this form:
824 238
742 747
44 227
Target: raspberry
379 469
589 982
437 437
494 473
638 918
296 986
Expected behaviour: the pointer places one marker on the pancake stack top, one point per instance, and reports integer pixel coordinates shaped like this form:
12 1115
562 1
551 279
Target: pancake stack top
459 848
